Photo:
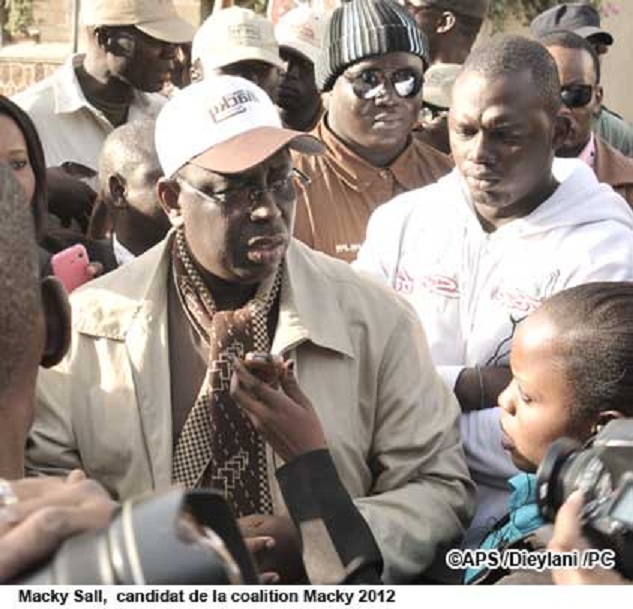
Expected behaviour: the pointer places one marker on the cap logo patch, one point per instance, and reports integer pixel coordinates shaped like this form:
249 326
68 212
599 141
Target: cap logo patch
232 104
303 32
245 34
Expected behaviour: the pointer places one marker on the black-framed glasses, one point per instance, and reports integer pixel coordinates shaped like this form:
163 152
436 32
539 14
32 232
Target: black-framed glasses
372 82
576 96
282 187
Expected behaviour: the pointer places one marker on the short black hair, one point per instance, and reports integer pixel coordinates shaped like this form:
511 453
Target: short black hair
569 40
594 325
39 203
19 280
505 55
127 147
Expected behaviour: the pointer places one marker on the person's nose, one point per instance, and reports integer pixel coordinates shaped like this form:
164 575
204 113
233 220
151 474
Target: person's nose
481 152
507 400
293 70
386 95
265 208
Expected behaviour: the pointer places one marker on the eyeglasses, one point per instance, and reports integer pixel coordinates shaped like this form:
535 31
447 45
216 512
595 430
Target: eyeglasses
371 82
576 96
282 188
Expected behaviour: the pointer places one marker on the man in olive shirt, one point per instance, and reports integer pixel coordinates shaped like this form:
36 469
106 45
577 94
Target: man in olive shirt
375 91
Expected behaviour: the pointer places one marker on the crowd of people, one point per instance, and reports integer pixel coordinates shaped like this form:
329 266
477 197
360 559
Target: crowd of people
347 269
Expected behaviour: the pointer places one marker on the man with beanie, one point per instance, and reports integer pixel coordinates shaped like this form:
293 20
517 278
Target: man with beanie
131 49
237 41
300 36
451 26
372 64
584 20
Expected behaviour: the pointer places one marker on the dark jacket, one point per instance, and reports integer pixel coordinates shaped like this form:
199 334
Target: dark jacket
615 169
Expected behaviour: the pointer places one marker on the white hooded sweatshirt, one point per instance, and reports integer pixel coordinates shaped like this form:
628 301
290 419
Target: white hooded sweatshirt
470 288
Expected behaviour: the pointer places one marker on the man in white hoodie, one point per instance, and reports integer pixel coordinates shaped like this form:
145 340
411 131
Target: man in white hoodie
484 246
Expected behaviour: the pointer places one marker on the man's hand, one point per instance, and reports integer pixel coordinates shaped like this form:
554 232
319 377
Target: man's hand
69 198
48 512
274 544
284 415
568 537
479 388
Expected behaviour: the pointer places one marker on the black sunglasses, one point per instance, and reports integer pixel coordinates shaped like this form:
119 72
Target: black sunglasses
576 96
371 82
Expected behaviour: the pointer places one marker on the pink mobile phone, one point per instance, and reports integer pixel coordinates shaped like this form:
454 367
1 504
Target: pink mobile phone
70 266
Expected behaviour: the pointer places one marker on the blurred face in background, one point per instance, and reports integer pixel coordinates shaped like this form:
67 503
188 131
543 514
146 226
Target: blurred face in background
14 152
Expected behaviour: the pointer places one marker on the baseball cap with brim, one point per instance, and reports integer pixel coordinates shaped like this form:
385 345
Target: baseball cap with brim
582 19
235 34
174 30
300 49
596 34
302 30
231 56
154 18
225 124
251 148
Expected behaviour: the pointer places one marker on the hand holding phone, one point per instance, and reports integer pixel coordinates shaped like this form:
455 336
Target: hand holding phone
70 266
265 366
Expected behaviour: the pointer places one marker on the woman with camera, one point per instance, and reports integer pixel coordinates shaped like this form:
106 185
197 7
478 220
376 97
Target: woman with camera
572 366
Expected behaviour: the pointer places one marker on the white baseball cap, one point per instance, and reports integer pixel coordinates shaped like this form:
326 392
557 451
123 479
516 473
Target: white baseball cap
302 29
235 34
225 124
156 18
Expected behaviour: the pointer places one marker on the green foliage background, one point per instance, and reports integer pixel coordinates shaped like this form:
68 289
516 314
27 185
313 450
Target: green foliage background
18 15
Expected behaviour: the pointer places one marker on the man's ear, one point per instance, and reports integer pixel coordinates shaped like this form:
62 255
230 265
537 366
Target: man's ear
168 192
445 23
562 127
599 93
57 317
117 191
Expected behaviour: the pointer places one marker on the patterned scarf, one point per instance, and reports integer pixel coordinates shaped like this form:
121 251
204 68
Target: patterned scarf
218 446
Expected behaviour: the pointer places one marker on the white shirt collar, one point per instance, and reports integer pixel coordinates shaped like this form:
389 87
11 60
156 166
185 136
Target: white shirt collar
121 253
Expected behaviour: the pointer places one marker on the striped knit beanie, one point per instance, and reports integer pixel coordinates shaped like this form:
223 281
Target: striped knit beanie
363 28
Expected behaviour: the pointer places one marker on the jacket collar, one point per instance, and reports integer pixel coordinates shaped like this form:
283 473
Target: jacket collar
611 166
360 175
309 308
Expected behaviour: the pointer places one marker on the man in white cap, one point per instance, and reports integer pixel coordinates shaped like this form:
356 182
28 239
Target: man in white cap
237 41
131 46
146 397
300 35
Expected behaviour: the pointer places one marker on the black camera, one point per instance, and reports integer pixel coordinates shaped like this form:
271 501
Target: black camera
177 537
603 470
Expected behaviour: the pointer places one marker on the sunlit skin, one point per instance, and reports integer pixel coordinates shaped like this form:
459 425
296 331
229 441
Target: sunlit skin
576 67
123 57
239 242
503 139
14 152
537 405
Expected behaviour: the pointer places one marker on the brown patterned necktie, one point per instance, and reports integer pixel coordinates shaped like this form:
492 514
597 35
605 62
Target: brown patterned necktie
218 446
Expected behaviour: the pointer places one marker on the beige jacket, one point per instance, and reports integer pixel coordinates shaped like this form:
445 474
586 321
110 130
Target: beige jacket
361 356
